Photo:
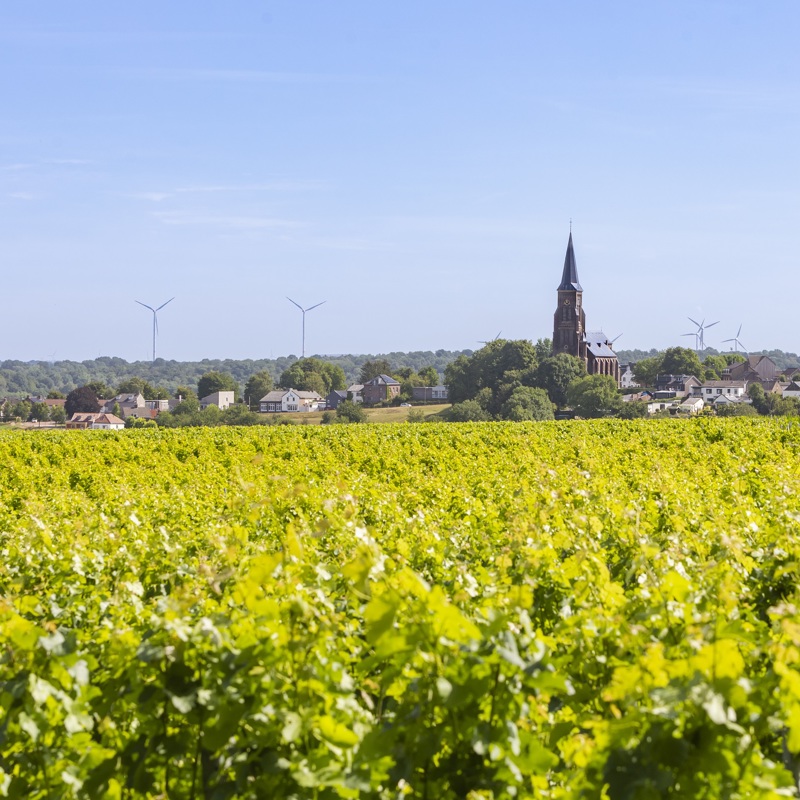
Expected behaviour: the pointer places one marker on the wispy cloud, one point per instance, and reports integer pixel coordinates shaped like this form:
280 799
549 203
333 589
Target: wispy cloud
256 76
23 195
68 162
157 196
231 222
16 167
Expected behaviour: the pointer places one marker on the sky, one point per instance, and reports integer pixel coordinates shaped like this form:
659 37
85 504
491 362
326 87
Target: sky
414 165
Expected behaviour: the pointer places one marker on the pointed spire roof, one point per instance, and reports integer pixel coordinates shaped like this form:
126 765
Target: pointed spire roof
569 278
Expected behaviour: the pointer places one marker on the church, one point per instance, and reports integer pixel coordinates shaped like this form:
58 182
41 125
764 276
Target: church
569 325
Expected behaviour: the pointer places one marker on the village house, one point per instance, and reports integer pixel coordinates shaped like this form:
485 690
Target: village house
222 400
734 390
427 393
95 421
380 389
290 400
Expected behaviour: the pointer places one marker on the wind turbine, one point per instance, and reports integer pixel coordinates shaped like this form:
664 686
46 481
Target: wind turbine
701 327
155 320
696 339
304 319
489 341
737 344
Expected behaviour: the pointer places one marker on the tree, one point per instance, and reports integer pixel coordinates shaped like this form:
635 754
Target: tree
416 415
467 411
134 385
22 410
54 395
646 369
40 412
184 393
681 361
371 369
256 387
81 400
715 364
116 410
556 373
58 415
500 366
543 348
736 410
348 411
528 403
313 375
101 389
635 409
190 405
215 381
594 396
429 376
756 394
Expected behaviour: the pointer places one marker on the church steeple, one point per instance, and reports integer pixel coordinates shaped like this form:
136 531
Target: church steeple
569 321
569 278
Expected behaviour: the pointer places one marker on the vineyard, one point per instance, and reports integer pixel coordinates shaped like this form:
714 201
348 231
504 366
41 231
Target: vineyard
586 610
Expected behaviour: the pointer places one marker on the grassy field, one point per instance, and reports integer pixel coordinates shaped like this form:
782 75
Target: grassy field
391 414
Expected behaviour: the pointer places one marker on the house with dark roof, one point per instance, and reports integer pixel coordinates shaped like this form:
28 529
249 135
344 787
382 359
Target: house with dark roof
380 389
335 397
569 325
755 368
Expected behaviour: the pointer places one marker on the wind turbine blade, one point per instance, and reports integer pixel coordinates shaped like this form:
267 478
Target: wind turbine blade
739 331
695 322
165 304
145 305
296 304
729 340
317 305
712 324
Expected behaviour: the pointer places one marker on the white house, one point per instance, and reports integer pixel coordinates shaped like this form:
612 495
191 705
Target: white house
290 400
691 405
792 390
626 379
354 392
710 390
95 421
222 400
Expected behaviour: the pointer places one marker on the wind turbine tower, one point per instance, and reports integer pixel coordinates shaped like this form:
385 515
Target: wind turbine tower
736 342
155 320
701 327
303 310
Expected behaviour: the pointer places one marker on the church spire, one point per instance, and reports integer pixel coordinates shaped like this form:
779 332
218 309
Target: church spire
569 278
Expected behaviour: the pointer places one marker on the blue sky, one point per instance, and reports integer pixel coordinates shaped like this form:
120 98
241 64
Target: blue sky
416 165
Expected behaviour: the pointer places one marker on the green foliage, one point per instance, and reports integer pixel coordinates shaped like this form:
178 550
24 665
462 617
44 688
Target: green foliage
594 396
429 376
468 411
348 411
54 395
681 361
416 415
527 403
134 385
371 369
498 367
83 400
215 381
40 412
313 375
736 410
646 369
556 373
402 611
58 415
635 409
102 390
256 387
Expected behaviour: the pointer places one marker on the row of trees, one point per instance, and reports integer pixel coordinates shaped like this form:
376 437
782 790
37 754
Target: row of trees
683 361
32 378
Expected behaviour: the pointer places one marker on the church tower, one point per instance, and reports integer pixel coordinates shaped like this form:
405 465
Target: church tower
569 321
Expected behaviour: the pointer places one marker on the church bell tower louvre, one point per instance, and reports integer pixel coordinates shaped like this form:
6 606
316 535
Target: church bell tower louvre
569 325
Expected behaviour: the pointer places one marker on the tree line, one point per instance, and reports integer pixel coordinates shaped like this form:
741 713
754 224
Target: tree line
37 378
